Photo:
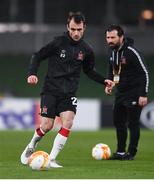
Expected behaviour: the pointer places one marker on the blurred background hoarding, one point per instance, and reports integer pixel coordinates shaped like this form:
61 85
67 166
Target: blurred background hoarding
92 114
25 26
23 113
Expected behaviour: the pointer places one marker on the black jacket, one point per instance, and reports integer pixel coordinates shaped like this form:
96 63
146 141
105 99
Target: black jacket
65 60
134 79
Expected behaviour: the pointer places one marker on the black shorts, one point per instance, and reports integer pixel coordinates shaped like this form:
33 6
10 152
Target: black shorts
52 106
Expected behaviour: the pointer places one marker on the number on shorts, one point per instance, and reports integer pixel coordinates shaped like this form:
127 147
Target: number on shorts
74 101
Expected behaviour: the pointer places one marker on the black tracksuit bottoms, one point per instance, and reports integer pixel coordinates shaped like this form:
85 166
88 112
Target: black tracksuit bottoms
126 117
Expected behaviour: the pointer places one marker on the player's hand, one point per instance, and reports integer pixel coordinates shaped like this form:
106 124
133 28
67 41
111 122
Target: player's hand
32 80
142 101
108 91
109 86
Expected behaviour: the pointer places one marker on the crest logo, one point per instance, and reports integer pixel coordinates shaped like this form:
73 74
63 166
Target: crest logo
63 53
123 60
44 110
80 56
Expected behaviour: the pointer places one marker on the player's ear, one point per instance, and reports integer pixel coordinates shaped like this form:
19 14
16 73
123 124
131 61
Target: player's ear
68 27
121 38
84 26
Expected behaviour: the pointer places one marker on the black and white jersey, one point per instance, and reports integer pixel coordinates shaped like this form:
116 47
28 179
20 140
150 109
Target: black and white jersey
66 58
134 78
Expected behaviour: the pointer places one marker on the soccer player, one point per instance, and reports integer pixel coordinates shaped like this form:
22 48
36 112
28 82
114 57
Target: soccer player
66 55
127 69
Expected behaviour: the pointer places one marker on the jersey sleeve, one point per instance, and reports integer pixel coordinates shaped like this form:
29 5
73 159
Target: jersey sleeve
110 71
89 68
139 62
39 56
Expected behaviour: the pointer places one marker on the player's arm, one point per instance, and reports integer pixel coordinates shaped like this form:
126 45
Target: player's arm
36 59
138 60
108 90
90 71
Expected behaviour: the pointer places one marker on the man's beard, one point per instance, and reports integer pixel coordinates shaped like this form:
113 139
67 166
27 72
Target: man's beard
114 46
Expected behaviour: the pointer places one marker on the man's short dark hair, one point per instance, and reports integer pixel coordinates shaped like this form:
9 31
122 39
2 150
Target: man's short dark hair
117 28
77 16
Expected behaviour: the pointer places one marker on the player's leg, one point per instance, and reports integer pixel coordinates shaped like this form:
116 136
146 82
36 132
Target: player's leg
47 120
134 127
62 136
119 118
66 110
45 126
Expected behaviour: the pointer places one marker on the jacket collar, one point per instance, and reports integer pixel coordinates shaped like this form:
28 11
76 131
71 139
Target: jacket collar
127 42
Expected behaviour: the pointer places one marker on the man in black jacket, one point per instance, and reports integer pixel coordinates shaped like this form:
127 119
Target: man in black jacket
127 69
67 55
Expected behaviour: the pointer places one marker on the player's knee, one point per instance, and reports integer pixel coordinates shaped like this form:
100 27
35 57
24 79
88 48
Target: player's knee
68 123
47 125
134 124
46 128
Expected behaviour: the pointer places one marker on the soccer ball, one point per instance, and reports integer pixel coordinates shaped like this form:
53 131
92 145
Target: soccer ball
39 160
101 151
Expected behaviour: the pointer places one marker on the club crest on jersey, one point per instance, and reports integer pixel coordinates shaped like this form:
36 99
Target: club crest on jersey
63 53
44 110
123 60
80 56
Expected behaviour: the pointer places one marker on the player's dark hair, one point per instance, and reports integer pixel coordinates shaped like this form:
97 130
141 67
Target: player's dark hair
77 16
117 28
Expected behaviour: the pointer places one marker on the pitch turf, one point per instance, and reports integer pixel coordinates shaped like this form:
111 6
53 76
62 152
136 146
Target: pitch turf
76 157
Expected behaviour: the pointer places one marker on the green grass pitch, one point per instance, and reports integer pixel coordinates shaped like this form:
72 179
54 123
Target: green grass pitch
76 157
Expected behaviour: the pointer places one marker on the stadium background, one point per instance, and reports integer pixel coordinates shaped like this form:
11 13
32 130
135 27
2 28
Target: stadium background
25 26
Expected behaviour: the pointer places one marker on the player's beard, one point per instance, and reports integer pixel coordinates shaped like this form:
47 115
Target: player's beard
114 46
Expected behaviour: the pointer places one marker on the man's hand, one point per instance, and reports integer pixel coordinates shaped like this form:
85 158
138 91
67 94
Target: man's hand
108 91
142 101
109 86
32 80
